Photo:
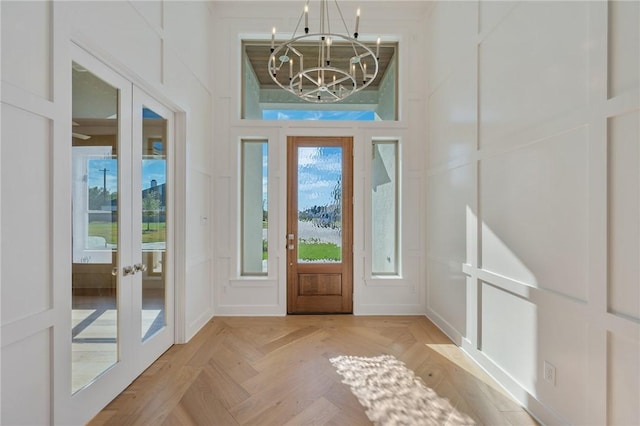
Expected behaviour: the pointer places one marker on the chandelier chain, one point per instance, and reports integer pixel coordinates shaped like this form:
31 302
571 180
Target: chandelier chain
346 29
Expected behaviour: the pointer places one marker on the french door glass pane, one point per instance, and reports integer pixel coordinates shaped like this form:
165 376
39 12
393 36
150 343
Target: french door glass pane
319 204
95 227
154 222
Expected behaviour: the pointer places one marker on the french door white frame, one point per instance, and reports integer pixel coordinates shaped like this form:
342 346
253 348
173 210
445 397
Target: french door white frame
148 351
133 354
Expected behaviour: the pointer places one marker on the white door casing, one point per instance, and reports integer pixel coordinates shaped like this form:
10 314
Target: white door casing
134 354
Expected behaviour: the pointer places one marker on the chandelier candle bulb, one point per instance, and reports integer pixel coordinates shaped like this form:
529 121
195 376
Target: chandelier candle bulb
273 39
378 48
306 19
355 34
290 69
329 51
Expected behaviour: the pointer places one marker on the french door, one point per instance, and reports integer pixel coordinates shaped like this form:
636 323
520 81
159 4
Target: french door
319 225
121 286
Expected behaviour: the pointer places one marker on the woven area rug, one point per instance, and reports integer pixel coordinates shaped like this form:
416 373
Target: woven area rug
392 394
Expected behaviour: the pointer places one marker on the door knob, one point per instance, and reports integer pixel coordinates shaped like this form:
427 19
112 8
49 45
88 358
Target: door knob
128 270
140 267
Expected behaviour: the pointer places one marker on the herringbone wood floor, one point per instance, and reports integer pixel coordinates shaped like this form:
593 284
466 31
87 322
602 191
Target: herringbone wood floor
276 371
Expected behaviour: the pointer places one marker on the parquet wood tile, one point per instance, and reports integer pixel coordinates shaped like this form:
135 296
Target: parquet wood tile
276 371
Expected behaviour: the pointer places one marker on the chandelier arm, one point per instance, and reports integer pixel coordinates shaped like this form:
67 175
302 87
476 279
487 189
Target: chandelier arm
346 29
299 21
353 46
362 56
337 98
326 6
313 91
310 79
272 60
295 51
338 81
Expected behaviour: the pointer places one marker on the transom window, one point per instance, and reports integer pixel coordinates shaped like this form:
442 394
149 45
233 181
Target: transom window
262 99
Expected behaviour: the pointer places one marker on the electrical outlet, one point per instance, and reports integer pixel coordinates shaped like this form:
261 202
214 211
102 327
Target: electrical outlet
549 373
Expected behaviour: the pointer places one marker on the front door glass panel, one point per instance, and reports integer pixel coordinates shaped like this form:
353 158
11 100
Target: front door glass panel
319 204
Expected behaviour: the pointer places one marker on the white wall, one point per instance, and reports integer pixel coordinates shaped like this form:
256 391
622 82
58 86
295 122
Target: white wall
533 199
251 92
387 93
236 295
161 46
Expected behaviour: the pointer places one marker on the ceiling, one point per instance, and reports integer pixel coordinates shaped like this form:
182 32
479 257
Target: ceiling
258 53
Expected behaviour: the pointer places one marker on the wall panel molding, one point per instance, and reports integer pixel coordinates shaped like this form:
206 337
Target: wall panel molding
547 115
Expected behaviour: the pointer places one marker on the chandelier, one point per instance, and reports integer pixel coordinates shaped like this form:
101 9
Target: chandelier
323 66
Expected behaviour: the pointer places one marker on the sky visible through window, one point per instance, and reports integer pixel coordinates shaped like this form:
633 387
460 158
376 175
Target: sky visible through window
319 168
319 171
287 114
152 169
103 172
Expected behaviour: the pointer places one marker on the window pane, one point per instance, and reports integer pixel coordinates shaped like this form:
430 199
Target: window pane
263 99
320 204
292 114
384 203
94 208
254 207
154 222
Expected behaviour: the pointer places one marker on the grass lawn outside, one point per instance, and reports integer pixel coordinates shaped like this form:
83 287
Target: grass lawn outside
109 231
319 251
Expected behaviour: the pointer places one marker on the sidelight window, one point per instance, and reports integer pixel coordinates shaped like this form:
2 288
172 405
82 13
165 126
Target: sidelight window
254 207
384 203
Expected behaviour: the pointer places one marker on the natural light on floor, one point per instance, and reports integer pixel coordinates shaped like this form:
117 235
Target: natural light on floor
94 344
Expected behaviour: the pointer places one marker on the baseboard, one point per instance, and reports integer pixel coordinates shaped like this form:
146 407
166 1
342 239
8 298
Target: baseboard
250 311
196 325
388 310
535 408
445 327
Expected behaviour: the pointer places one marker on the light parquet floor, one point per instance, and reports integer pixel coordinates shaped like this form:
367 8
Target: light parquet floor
276 371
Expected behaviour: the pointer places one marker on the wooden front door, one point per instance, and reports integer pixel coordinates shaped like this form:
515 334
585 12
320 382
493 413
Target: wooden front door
320 225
